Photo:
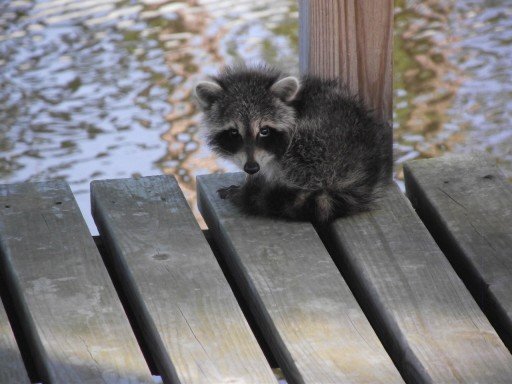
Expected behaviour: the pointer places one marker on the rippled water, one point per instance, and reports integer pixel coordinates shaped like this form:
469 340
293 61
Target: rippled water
98 89
453 79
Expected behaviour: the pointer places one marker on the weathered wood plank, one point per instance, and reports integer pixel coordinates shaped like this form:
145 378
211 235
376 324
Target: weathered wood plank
353 40
466 204
176 289
309 317
12 369
66 297
21 322
423 313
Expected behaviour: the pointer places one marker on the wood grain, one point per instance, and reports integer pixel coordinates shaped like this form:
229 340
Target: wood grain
309 317
12 369
353 40
177 292
65 297
466 204
423 313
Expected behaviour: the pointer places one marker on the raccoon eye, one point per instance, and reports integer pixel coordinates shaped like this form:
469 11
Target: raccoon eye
233 132
264 131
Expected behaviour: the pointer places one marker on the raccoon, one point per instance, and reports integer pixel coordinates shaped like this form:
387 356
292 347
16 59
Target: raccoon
312 151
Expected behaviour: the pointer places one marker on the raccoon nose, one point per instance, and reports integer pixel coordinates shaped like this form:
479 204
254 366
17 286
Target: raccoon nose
251 167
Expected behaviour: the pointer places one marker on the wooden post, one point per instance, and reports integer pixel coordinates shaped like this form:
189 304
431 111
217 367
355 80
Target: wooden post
351 39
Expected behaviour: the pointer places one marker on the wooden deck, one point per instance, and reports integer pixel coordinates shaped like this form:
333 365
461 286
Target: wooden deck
417 293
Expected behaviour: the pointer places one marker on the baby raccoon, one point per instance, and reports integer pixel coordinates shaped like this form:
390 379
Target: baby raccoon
311 150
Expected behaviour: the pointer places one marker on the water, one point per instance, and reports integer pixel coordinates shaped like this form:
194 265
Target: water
97 89
453 88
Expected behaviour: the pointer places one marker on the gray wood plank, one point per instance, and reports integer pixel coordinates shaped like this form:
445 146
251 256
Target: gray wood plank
466 204
309 317
12 369
66 296
423 313
177 290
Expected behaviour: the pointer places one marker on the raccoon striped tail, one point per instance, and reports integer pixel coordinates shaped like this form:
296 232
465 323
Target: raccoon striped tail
319 206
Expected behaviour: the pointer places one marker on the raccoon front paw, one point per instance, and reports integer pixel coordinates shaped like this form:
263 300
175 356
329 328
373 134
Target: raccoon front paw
226 193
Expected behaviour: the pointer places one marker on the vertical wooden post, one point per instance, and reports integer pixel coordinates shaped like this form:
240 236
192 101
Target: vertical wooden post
353 40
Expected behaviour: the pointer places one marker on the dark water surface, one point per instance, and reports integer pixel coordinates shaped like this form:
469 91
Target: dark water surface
97 89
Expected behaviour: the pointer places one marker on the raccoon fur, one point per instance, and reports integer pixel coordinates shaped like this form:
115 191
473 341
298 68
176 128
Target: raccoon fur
311 150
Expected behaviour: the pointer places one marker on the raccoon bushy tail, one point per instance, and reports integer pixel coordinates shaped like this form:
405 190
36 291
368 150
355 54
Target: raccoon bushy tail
319 206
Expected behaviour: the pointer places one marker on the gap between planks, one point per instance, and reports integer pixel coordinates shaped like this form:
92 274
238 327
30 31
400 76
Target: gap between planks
466 203
308 315
172 284
61 292
422 312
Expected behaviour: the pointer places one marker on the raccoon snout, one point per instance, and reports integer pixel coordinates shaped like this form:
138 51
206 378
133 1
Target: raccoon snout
251 167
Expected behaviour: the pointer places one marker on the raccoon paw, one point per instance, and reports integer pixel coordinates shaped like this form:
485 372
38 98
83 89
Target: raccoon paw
226 193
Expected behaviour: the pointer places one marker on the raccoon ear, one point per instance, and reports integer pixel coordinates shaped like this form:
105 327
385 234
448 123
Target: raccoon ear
206 92
286 89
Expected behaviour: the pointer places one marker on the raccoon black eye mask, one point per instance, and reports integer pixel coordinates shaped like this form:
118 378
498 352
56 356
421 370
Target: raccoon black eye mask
310 149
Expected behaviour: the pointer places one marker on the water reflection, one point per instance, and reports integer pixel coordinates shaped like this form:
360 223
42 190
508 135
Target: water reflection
452 79
97 89
101 89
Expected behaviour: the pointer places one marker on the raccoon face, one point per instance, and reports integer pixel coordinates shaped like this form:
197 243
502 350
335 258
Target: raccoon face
252 147
248 119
